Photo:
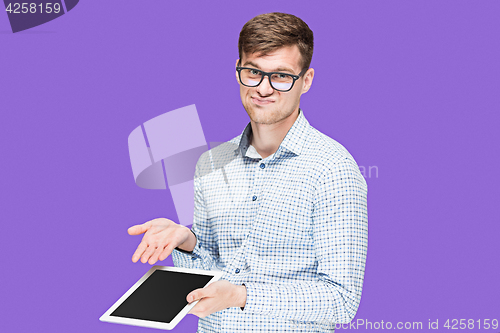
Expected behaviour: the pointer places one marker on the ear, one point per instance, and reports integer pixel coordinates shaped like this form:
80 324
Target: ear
308 79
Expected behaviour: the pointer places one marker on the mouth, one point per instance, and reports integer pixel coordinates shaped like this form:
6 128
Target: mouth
262 101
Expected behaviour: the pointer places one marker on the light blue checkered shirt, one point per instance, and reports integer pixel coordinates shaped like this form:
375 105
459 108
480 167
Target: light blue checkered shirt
291 227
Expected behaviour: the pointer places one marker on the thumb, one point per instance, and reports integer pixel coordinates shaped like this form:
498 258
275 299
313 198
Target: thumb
138 229
195 295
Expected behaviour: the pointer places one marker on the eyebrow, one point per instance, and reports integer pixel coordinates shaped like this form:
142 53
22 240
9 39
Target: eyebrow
279 69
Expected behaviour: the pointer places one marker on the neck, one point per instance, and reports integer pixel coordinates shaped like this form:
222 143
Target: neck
266 139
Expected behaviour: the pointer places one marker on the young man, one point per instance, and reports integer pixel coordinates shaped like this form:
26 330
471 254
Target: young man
280 209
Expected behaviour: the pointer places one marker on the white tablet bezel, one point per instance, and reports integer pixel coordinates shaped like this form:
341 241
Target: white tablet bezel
106 317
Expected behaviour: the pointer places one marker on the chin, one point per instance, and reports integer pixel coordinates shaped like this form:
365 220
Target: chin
265 120
260 115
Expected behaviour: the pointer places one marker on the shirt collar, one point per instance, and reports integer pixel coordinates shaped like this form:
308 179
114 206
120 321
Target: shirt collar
245 140
293 142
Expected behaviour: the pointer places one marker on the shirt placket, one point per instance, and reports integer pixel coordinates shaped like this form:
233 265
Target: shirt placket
256 174
239 266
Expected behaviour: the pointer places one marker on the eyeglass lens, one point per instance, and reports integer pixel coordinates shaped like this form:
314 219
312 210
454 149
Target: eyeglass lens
252 78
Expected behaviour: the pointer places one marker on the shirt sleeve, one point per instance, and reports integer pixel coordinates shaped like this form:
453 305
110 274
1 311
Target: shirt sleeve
205 253
340 234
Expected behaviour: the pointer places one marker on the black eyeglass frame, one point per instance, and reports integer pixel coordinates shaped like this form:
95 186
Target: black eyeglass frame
268 74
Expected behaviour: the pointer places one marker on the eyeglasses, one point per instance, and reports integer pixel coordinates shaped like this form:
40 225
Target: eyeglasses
252 77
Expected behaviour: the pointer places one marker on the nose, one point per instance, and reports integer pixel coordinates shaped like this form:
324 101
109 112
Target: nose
264 88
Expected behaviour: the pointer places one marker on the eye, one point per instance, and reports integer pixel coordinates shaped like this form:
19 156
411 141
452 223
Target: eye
282 76
254 72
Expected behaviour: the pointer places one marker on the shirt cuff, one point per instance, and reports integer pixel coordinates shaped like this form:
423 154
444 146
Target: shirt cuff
195 246
261 298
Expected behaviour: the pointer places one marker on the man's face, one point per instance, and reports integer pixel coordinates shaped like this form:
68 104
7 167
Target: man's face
265 105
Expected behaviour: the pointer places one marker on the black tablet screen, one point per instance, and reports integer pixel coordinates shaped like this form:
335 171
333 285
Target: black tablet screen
161 297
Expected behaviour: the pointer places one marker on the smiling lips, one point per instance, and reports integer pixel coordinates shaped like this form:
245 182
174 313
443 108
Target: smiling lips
260 101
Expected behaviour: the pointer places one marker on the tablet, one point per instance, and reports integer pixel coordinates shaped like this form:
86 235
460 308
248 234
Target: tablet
158 299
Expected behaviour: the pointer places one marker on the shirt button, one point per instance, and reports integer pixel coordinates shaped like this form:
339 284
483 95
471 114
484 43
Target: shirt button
237 270
262 165
254 198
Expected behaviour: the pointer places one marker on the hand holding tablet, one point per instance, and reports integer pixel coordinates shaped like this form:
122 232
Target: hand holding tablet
158 299
217 296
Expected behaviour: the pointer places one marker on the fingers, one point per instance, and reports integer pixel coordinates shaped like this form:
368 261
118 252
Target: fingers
139 252
148 253
166 252
203 308
161 253
154 258
194 310
139 228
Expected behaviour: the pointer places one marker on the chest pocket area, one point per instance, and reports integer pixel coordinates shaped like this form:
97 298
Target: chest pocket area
226 199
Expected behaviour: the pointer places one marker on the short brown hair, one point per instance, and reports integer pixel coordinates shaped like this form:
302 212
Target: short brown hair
268 32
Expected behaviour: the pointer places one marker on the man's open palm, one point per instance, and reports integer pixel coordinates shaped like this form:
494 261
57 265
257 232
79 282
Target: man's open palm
161 237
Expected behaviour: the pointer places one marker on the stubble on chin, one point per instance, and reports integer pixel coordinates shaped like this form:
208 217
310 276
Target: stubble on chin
259 118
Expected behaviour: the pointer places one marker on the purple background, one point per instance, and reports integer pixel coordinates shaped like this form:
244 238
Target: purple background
412 87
